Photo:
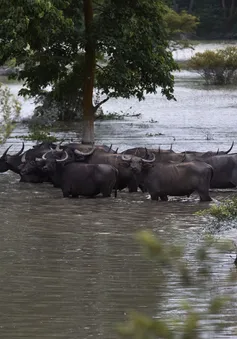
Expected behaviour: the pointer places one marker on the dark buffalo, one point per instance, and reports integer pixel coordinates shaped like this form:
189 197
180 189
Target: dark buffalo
144 152
192 155
160 155
11 162
15 162
224 170
181 179
75 178
128 166
83 148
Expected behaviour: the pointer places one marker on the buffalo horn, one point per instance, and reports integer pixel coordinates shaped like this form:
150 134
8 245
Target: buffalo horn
126 157
64 159
58 149
230 148
76 151
110 148
151 160
217 152
171 145
115 152
5 153
23 158
21 150
44 155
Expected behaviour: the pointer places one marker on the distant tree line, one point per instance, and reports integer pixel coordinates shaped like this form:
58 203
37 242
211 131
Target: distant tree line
218 19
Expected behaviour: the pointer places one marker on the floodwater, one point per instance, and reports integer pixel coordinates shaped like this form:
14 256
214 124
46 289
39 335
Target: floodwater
71 268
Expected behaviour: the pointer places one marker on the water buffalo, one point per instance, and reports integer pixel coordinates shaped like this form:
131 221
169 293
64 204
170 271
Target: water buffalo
128 166
11 162
192 155
81 147
75 178
144 152
181 179
224 170
14 162
160 155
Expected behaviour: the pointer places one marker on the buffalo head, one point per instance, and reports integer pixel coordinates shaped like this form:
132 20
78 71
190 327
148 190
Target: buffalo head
10 161
136 163
53 158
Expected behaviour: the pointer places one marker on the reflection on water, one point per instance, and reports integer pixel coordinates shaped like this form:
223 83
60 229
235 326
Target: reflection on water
71 268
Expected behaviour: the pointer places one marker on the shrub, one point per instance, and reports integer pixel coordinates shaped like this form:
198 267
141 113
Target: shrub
9 111
226 210
216 67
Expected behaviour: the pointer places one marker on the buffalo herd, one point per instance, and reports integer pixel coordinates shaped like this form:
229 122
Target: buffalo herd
82 171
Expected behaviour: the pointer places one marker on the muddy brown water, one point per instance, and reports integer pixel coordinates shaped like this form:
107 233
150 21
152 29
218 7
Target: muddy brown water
71 268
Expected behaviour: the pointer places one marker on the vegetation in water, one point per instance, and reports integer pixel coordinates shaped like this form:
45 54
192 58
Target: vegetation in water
195 279
9 112
40 134
100 115
216 67
154 134
226 210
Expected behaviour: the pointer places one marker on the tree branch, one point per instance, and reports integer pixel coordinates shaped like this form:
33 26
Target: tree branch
97 65
99 104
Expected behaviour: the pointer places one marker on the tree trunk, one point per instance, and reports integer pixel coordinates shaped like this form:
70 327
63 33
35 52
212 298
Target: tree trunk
232 9
224 8
175 6
190 7
89 78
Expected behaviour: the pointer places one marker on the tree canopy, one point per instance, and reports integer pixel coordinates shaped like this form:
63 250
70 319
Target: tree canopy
117 46
218 19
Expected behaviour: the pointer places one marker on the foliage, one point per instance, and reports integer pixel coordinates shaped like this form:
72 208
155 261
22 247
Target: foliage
40 136
171 259
45 37
9 111
216 67
218 19
179 25
226 210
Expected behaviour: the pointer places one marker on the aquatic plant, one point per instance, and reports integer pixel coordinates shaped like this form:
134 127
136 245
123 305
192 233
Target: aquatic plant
100 115
171 259
154 134
10 109
116 116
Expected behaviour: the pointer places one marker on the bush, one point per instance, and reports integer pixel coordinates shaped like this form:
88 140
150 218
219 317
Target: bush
226 210
216 67
9 111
